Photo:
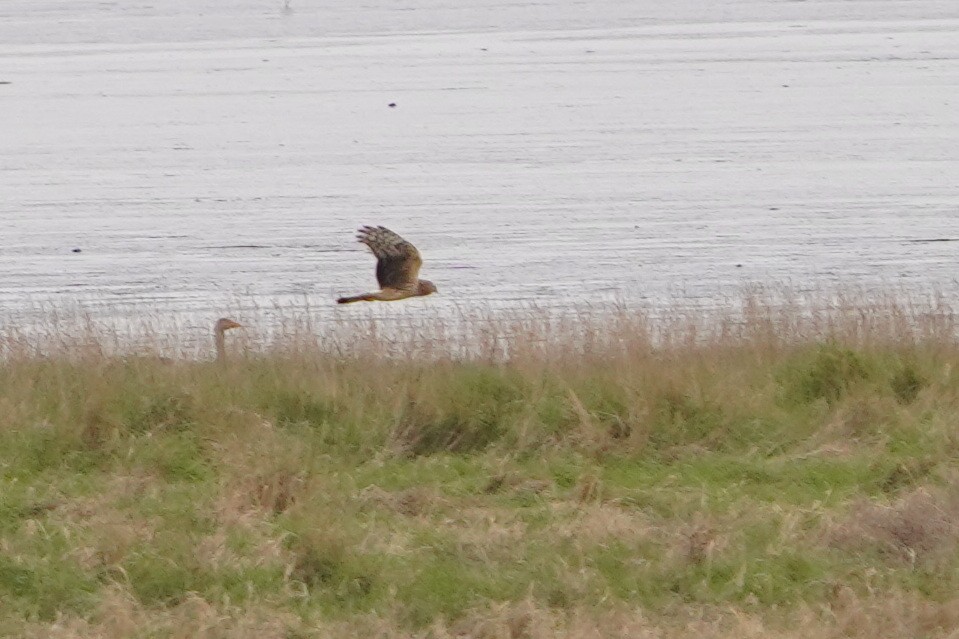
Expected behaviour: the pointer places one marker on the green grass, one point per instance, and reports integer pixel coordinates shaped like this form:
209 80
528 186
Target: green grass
766 483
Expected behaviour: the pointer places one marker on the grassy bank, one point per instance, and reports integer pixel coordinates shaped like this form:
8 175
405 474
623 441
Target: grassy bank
782 470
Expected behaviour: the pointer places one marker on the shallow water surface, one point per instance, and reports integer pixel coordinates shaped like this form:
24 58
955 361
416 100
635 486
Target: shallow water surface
205 156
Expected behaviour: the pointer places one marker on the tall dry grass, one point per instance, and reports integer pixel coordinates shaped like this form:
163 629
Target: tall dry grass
784 466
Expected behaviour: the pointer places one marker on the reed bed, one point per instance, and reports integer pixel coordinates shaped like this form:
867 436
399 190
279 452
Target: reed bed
782 466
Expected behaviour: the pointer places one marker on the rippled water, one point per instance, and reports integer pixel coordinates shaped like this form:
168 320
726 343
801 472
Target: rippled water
210 155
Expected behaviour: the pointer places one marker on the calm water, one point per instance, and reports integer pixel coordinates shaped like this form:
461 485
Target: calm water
206 157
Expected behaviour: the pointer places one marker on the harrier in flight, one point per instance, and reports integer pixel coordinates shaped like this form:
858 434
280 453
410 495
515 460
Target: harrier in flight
397 267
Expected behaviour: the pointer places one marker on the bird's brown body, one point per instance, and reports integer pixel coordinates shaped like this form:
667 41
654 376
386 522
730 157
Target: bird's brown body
397 267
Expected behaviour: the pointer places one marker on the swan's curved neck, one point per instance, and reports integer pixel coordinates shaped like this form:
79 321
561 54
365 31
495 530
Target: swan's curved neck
219 342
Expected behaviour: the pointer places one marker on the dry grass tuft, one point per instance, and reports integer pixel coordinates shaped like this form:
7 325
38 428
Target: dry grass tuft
119 615
526 620
597 524
917 527
412 502
888 615
270 478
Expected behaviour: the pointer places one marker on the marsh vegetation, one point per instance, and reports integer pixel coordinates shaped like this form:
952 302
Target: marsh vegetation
786 468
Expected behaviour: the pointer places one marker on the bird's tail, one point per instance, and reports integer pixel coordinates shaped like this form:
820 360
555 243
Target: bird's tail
365 297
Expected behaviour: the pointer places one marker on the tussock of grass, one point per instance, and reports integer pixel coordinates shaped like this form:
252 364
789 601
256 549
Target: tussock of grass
781 469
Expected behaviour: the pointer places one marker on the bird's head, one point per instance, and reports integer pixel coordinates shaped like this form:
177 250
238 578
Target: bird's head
426 287
225 324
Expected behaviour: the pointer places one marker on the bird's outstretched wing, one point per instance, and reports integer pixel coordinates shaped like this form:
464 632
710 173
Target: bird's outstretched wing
397 261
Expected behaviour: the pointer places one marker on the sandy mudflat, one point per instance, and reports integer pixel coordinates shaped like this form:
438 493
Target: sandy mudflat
201 152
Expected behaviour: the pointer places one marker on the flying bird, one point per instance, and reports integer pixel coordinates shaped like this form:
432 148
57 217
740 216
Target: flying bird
397 267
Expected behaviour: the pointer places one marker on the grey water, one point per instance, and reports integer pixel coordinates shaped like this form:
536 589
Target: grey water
189 157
